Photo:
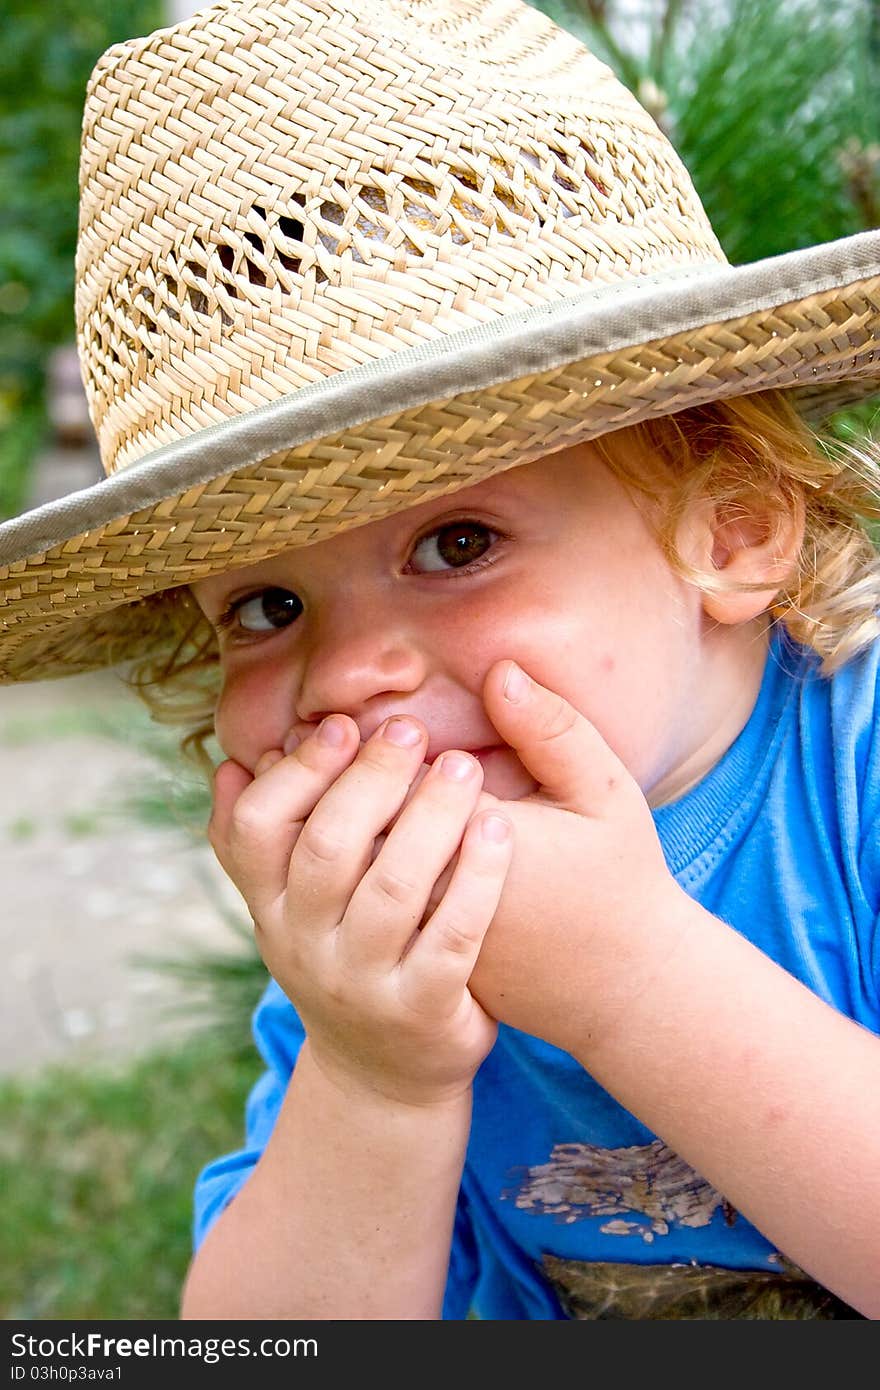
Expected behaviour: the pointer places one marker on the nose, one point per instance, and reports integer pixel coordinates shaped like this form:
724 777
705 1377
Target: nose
359 660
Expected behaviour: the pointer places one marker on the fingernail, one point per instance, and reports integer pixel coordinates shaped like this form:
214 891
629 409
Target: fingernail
331 732
291 743
457 766
403 732
494 828
516 684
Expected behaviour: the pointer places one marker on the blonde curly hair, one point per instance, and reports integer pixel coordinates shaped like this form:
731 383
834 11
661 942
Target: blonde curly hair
749 452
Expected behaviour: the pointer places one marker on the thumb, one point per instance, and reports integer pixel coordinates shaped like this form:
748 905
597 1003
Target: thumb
566 755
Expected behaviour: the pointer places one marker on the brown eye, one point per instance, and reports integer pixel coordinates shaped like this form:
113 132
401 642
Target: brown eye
267 611
452 547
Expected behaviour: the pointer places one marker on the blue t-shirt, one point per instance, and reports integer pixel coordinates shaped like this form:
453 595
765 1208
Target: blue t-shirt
566 1197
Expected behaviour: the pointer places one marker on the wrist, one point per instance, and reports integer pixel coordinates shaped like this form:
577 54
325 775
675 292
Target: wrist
575 974
356 1089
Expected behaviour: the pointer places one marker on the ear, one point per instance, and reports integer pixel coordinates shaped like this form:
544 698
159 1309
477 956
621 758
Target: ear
744 543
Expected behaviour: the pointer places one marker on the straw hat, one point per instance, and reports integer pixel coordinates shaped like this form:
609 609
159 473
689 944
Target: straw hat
337 257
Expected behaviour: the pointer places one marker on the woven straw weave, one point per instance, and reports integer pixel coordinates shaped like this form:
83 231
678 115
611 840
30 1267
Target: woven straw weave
331 194
324 487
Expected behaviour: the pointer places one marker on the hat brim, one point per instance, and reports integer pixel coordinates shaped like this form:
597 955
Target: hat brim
422 422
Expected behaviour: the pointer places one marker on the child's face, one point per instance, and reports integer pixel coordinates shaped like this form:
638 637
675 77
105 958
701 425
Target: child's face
550 564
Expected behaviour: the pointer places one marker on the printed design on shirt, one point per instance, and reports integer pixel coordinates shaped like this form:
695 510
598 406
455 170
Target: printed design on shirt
643 1190
605 1291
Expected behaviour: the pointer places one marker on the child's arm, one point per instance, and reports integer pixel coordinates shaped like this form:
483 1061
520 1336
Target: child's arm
769 1093
349 1212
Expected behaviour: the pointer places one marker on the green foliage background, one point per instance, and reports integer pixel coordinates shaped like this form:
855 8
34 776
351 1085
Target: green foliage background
47 51
774 106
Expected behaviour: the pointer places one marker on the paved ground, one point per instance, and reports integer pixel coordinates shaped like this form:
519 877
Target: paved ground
87 888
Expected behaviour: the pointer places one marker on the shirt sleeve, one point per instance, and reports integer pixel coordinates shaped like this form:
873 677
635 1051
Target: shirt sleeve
278 1034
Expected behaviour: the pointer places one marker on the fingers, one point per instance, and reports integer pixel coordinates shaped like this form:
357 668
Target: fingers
362 836
257 821
390 900
443 955
335 847
230 780
563 751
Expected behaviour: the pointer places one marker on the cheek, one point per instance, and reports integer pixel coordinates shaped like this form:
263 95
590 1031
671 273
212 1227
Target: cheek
253 714
467 638
615 660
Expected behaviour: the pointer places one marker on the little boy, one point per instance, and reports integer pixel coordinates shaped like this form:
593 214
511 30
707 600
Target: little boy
534 622
464 490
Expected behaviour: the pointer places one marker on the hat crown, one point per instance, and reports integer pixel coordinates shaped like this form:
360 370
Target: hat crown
274 192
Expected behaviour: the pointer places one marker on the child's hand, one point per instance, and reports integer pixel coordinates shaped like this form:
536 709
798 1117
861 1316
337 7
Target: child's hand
577 935
386 1006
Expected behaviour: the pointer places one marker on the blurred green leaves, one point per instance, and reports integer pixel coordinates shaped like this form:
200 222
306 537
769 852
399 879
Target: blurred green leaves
778 120
774 108
46 55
